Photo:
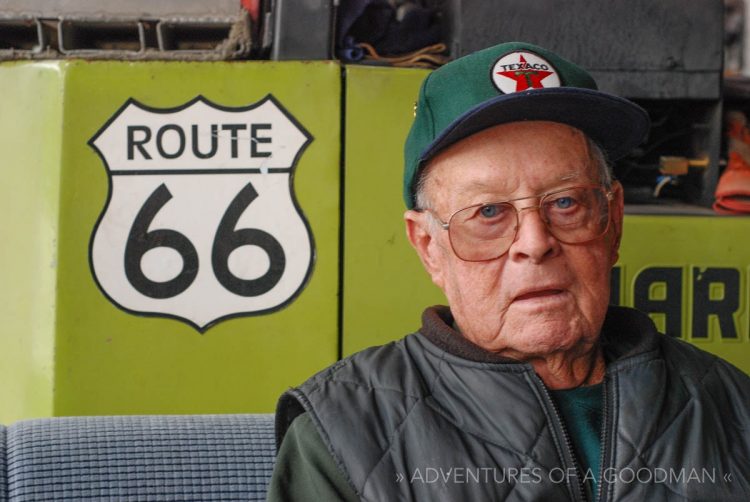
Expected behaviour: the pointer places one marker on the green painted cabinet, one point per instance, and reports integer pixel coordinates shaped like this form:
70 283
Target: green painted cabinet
690 274
385 288
171 234
195 238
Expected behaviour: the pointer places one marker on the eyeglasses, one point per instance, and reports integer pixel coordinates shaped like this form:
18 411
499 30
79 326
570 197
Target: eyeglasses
573 215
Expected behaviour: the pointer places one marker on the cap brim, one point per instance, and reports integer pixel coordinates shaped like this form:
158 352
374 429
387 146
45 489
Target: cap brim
615 124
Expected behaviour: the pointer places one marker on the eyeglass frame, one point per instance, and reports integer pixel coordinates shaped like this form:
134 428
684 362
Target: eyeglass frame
608 192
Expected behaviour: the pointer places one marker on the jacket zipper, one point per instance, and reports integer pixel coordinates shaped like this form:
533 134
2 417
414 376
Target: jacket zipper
581 495
604 446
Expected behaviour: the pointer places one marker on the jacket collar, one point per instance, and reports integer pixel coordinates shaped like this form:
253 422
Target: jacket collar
625 333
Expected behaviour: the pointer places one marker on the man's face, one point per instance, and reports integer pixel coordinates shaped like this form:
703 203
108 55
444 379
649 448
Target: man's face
541 297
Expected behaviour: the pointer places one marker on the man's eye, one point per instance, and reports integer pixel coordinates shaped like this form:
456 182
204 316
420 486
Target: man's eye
564 202
490 211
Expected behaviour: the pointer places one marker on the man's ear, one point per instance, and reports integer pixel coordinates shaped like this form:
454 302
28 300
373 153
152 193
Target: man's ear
617 210
418 231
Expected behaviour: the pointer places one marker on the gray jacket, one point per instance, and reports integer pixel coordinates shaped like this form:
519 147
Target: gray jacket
433 417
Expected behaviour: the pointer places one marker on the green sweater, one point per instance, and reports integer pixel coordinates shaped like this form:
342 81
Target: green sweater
306 471
581 409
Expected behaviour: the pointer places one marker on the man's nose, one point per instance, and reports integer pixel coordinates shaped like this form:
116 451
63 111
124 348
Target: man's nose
533 240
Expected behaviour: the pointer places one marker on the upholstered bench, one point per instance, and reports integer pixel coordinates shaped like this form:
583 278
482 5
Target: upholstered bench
137 458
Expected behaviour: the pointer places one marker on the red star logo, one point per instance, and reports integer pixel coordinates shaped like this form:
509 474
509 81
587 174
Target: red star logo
526 77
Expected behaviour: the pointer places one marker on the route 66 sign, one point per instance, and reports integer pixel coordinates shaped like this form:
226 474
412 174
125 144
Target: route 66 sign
201 223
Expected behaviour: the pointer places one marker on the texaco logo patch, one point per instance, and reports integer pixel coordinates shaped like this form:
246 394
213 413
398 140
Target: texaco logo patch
201 223
519 71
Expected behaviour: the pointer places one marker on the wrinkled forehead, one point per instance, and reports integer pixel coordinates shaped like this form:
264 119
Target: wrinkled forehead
506 159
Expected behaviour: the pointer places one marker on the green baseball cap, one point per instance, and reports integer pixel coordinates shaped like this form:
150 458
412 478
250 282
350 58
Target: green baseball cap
514 82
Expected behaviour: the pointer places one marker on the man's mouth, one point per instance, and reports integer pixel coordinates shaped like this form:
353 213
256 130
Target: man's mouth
541 293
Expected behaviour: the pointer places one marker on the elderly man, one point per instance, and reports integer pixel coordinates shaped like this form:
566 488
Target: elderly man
528 386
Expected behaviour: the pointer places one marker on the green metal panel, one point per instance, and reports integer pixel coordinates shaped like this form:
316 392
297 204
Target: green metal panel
69 349
385 288
692 271
111 357
683 268
30 133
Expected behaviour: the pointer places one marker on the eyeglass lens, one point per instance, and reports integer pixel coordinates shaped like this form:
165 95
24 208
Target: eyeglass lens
573 215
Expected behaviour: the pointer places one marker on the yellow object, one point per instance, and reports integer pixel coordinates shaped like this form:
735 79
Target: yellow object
678 166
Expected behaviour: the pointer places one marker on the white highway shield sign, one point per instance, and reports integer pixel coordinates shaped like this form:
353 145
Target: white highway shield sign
201 223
